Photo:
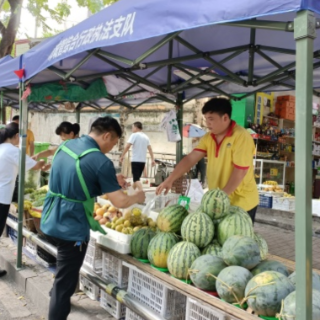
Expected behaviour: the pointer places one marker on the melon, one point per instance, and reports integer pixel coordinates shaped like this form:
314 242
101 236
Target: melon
315 280
140 242
213 248
241 251
181 257
265 292
234 224
170 218
289 306
232 282
159 248
215 203
204 270
262 245
236 209
270 265
198 228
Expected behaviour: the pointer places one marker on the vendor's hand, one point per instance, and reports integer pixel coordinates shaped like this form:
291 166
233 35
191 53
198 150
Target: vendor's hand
46 167
153 163
122 181
35 157
121 159
164 186
141 196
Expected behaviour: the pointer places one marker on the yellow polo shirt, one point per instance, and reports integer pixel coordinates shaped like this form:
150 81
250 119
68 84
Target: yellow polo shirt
236 150
30 139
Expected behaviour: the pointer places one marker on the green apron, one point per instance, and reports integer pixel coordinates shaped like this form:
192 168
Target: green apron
88 204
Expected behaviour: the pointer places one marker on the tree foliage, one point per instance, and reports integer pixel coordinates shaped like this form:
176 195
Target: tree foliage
10 16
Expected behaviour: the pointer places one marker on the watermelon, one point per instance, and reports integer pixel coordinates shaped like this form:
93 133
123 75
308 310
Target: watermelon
170 218
203 268
241 251
213 249
198 228
236 209
289 306
180 259
232 282
265 292
270 265
234 224
262 245
315 280
140 242
215 203
159 248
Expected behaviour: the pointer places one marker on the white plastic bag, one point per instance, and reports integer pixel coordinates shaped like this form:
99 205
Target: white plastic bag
195 192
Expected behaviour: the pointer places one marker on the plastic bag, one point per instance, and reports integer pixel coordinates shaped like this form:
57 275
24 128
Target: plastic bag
195 192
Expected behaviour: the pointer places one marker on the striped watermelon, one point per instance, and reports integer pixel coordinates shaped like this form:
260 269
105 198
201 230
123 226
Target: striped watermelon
236 209
198 228
234 224
232 282
262 245
203 268
170 218
181 257
140 242
241 251
265 292
213 248
270 265
159 248
215 203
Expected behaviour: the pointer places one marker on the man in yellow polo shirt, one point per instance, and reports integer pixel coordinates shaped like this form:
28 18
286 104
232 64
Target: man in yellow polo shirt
229 149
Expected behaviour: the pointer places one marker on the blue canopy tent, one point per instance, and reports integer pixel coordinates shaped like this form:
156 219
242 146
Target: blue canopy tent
192 50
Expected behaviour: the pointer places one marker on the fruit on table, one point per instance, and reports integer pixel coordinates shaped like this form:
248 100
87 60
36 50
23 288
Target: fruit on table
270 265
215 203
204 270
265 292
236 223
213 248
140 242
198 228
160 247
289 306
241 251
315 280
271 183
181 257
170 218
262 245
232 282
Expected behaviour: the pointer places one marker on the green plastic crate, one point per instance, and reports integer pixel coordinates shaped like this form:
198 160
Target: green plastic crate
242 109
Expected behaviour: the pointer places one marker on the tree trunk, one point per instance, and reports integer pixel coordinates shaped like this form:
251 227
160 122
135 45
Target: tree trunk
9 33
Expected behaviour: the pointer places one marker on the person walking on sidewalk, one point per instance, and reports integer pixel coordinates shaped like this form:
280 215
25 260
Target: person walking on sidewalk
229 149
140 144
9 166
80 172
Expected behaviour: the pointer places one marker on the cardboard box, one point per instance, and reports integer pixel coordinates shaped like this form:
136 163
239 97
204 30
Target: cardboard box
286 98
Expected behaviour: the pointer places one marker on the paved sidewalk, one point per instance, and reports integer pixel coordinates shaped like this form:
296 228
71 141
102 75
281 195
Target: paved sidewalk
281 243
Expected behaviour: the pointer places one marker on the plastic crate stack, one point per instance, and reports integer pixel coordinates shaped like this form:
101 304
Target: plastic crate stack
265 201
12 234
114 272
31 247
167 302
93 261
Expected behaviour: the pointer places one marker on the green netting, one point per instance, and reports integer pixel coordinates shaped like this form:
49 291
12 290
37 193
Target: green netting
61 91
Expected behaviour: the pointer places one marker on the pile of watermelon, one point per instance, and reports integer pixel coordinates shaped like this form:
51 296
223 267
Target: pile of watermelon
216 249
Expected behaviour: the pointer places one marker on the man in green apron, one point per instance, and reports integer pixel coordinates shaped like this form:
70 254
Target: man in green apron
80 172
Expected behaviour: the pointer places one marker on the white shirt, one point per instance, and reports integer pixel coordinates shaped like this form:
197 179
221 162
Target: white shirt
140 143
9 167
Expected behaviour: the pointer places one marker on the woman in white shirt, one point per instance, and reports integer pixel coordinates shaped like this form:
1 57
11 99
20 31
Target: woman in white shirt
9 166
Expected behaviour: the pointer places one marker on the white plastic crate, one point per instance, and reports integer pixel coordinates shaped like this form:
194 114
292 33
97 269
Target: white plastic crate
154 294
198 311
114 271
90 289
130 315
31 247
93 258
285 204
111 305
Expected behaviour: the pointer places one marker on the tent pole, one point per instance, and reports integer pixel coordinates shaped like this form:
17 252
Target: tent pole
78 109
179 145
23 125
304 34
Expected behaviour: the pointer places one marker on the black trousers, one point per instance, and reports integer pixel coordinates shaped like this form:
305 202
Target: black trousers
69 261
4 211
252 213
201 167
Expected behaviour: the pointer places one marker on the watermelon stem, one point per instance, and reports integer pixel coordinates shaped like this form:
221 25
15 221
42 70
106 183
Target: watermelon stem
245 299
281 315
229 288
